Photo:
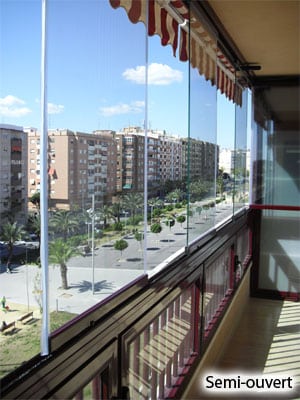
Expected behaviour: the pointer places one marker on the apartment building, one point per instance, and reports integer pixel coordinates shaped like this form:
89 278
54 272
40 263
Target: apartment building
164 159
13 173
77 167
108 163
235 161
130 176
225 161
199 159
170 155
105 165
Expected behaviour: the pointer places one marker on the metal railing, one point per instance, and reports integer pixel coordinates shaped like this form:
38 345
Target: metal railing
141 342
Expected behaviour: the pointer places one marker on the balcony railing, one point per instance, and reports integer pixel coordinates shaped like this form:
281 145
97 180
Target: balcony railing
141 342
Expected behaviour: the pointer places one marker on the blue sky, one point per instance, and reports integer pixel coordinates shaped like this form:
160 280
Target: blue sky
96 69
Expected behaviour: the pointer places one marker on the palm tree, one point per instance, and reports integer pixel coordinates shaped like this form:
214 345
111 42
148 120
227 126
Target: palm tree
60 253
34 225
133 202
115 211
63 222
11 232
105 213
175 195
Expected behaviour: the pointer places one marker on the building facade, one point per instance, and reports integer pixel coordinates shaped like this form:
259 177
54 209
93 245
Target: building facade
77 167
106 164
13 174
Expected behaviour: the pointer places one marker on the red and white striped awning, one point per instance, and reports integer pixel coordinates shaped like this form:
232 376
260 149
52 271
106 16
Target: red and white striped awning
175 25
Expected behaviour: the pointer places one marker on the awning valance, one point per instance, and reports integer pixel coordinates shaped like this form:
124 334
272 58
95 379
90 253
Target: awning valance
177 26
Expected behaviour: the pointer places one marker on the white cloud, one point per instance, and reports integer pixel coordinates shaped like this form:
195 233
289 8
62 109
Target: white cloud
134 107
11 106
158 74
55 108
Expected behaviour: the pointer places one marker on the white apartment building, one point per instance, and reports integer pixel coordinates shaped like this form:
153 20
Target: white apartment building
234 161
225 160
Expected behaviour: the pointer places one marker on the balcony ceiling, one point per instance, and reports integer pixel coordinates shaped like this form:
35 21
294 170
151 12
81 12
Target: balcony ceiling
265 32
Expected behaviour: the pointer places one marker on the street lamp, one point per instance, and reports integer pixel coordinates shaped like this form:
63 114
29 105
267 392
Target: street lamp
91 212
88 232
27 280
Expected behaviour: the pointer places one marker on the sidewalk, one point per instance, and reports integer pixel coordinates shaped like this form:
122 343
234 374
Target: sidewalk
111 269
22 286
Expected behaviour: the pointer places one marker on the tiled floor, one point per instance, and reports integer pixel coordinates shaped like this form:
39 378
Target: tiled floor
267 341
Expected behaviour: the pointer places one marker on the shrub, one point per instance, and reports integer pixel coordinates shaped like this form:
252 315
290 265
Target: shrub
121 245
135 220
181 219
169 207
156 213
170 222
156 228
139 236
118 226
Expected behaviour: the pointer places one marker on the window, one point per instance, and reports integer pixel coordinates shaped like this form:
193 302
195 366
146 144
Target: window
181 113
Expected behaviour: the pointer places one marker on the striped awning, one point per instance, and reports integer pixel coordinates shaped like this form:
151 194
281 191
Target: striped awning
178 27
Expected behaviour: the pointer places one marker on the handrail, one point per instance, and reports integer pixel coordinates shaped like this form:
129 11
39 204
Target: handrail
95 344
276 207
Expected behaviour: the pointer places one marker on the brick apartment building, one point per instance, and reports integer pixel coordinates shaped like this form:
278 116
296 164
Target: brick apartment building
13 174
79 165
199 159
108 163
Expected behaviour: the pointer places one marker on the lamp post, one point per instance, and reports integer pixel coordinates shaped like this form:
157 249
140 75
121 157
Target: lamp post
27 280
93 243
88 232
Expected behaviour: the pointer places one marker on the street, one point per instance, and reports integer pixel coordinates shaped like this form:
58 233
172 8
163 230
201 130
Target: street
112 269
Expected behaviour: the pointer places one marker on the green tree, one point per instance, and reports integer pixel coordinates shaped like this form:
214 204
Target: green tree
139 236
105 214
60 252
155 204
175 195
170 222
199 210
117 226
115 211
34 225
157 213
10 233
64 222
133 202
220 185
181 219
156 227
36 199
121 245
197 190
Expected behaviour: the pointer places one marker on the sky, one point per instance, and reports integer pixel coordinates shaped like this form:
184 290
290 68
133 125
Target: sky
96 73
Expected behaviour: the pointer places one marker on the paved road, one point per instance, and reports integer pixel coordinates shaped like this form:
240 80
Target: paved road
112 270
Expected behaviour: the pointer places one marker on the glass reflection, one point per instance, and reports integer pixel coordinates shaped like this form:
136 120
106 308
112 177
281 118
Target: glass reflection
202 156
241 155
